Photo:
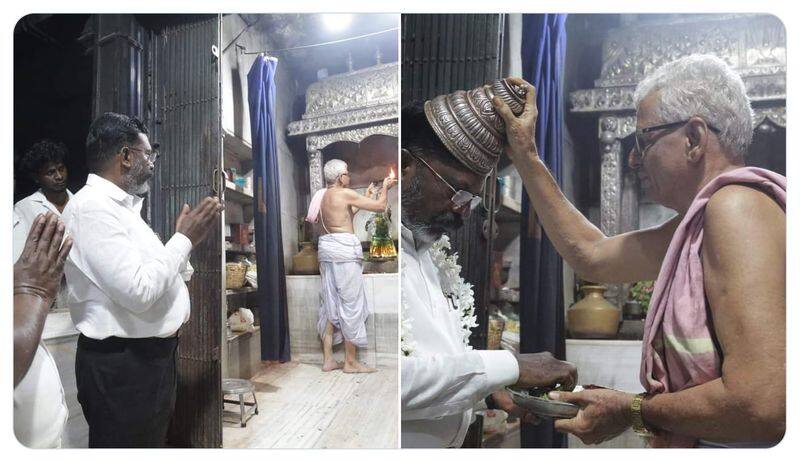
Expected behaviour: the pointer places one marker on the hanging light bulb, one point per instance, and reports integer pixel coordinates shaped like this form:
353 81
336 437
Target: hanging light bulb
336 22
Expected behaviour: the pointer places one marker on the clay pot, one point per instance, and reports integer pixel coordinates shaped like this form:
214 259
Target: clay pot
593 317
305 262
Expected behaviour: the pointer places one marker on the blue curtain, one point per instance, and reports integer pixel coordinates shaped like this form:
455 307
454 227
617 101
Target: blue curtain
541 295
272 305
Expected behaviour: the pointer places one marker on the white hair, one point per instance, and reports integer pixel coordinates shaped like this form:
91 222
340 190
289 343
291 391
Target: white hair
705 86
333 169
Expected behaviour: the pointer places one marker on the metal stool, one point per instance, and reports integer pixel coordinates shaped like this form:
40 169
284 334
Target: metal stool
240 387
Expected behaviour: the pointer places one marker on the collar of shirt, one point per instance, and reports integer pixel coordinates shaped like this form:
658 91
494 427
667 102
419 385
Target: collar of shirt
39 197
111 189
408 239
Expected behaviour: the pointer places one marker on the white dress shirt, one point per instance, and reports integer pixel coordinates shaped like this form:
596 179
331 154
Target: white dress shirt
442 381
25 212
121 280
40 408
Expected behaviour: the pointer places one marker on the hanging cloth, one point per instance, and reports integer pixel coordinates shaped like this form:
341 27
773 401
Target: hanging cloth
272 304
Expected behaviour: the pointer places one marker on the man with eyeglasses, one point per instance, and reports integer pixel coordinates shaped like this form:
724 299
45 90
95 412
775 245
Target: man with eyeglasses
344 308
443 381
127 292
714 353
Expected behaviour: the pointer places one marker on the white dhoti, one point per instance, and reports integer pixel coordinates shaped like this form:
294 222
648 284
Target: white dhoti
343 301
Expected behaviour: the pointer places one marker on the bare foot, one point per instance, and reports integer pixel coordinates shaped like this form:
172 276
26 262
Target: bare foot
357 368
331 365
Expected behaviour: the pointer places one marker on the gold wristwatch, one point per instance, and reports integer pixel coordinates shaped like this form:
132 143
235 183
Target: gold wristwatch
636 416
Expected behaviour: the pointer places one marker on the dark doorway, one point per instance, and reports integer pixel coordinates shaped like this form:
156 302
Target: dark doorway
52 91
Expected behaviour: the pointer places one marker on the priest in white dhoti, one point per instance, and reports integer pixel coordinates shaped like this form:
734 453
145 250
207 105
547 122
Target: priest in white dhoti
344 308
443 380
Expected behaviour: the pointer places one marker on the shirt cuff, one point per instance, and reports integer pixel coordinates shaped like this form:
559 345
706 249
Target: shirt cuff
501 369
181 245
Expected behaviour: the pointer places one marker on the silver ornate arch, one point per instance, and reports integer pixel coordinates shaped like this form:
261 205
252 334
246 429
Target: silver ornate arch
347 107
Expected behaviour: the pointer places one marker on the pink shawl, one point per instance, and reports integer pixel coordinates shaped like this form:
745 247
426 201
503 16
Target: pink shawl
314 206
678 350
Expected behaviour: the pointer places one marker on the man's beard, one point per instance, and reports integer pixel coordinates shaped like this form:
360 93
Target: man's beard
425 230
137 182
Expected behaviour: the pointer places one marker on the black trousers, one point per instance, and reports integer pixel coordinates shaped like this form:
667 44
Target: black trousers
126 388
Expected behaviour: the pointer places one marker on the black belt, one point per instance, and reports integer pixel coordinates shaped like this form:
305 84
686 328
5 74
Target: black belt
115 343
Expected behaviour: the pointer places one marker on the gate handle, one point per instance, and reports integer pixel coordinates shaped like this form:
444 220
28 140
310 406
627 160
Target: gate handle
215 181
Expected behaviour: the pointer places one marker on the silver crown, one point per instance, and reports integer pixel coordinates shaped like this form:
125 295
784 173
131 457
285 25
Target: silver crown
470 127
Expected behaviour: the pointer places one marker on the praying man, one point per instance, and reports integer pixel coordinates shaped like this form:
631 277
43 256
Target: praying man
343 308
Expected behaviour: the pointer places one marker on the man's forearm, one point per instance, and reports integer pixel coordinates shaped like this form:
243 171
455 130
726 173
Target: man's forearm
571 233
30 312
383 196
713 412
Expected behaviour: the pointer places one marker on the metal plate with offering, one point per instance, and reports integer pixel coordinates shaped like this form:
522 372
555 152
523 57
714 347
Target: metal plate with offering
536 400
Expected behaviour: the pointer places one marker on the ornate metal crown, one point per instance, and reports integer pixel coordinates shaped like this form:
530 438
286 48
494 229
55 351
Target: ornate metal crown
470 127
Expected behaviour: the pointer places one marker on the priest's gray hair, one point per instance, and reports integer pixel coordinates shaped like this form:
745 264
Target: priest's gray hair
333 169
703 85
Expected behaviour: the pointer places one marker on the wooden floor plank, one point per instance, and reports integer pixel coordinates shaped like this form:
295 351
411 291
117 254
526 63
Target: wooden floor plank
302 407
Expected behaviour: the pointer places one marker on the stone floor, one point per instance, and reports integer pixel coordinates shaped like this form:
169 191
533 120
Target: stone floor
302 407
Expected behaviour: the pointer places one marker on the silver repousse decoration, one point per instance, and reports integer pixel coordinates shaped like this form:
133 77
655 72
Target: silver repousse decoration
347 107
753 45
350 99
470 127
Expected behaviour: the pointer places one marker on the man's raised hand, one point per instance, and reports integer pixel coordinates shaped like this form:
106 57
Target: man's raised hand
39 268
196 223
388 182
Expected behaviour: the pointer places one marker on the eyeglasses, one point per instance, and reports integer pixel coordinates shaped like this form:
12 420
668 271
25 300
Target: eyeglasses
151 155
642 146
460 198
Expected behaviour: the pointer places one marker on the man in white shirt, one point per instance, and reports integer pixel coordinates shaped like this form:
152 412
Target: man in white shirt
127 295
44 164
442 379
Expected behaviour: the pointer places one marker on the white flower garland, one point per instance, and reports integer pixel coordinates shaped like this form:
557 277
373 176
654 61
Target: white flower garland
454 287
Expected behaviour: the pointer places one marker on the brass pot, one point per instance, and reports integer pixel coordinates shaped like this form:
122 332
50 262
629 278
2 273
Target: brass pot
593 317
305 262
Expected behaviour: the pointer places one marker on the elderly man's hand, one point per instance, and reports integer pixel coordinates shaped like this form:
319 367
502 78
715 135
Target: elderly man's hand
389 182
520 130
603 414
505 403
39 268
542 370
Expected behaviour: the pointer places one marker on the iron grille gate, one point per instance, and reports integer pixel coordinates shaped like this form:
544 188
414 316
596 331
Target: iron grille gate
442 53
167 74
186 104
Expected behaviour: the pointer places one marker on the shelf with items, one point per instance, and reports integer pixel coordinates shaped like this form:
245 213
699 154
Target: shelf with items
238 194
234 335
241 290
511 204
236 148
509 210
240 249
